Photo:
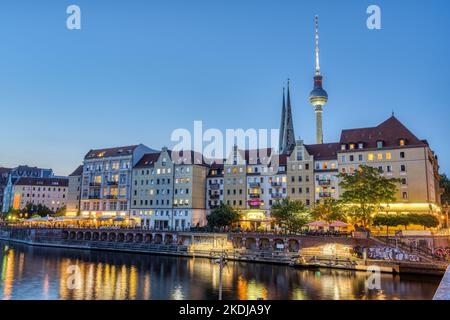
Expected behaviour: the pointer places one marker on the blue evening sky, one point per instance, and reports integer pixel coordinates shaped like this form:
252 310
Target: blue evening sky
137 70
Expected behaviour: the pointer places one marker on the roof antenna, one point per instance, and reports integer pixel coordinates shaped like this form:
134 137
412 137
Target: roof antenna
392 112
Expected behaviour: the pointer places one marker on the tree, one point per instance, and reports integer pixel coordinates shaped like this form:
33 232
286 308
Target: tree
61 212
330 210
364 192
290 214
223 216
39 209
424 220
445 184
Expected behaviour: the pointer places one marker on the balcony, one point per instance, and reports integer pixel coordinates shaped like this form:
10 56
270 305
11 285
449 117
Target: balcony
325 194
95 184
254 185
94 197
214 196
276 184
111 197
276 195
324 182
214 186
254 196
113 183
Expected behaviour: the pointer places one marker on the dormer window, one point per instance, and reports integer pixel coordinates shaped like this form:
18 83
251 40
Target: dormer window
343 147
360 145
352 146
402 142
379 144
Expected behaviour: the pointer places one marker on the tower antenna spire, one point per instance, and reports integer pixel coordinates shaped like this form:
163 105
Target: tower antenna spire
317 45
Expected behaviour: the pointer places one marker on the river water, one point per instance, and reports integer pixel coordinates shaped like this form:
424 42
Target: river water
52 273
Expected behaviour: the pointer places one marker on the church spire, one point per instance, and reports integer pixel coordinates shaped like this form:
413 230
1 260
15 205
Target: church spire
283 120
289 135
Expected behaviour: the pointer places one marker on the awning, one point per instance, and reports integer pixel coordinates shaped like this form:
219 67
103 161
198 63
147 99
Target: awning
317 224
339 224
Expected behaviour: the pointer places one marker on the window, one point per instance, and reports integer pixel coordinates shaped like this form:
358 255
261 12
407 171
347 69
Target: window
405 195
402 168
360 145
352 157
402 155
352 146
388 156
360 157
380 156
379 144
388 169
402 142
404 181
343 158
343 147
370 157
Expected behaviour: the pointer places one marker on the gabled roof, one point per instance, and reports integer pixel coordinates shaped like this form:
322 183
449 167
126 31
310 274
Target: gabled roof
111 152
324 151
47 182
78 172
390 132
148 160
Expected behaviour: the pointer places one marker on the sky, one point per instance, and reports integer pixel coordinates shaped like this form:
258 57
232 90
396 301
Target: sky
137 70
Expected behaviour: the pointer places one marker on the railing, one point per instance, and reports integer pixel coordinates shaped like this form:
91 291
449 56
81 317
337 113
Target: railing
254 184
214 196
276 196
95 184
324 182
254 196
113 183
276 184
214 186
325 194
95 197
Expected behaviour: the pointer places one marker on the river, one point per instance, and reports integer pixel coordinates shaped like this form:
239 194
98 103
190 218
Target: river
52 273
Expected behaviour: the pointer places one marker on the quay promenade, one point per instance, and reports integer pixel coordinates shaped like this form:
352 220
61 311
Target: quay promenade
295 250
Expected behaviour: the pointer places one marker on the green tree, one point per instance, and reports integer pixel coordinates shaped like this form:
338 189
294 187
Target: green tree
40 209
445 185
290 214
61 212
330 210
364 192
424 220
223 216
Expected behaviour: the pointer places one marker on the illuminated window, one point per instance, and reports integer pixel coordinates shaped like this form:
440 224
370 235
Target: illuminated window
360 145
235 170
370 157
402 142
380 156
343 147
388 156
283 179
333 165
325 165
352 146
249 170
379 144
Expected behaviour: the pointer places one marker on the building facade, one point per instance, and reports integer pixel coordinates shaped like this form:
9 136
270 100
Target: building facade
74 192
14 175
4 174
49 192
106 180
169 190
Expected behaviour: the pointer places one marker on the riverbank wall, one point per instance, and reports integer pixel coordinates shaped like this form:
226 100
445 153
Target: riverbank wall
294 250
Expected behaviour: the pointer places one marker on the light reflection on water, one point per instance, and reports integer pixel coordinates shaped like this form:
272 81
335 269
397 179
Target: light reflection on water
44 273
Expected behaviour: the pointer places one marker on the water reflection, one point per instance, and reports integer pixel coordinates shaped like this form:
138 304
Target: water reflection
48 273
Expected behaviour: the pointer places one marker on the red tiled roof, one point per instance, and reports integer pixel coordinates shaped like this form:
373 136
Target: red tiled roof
110 152
390 132
48 182
324 151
